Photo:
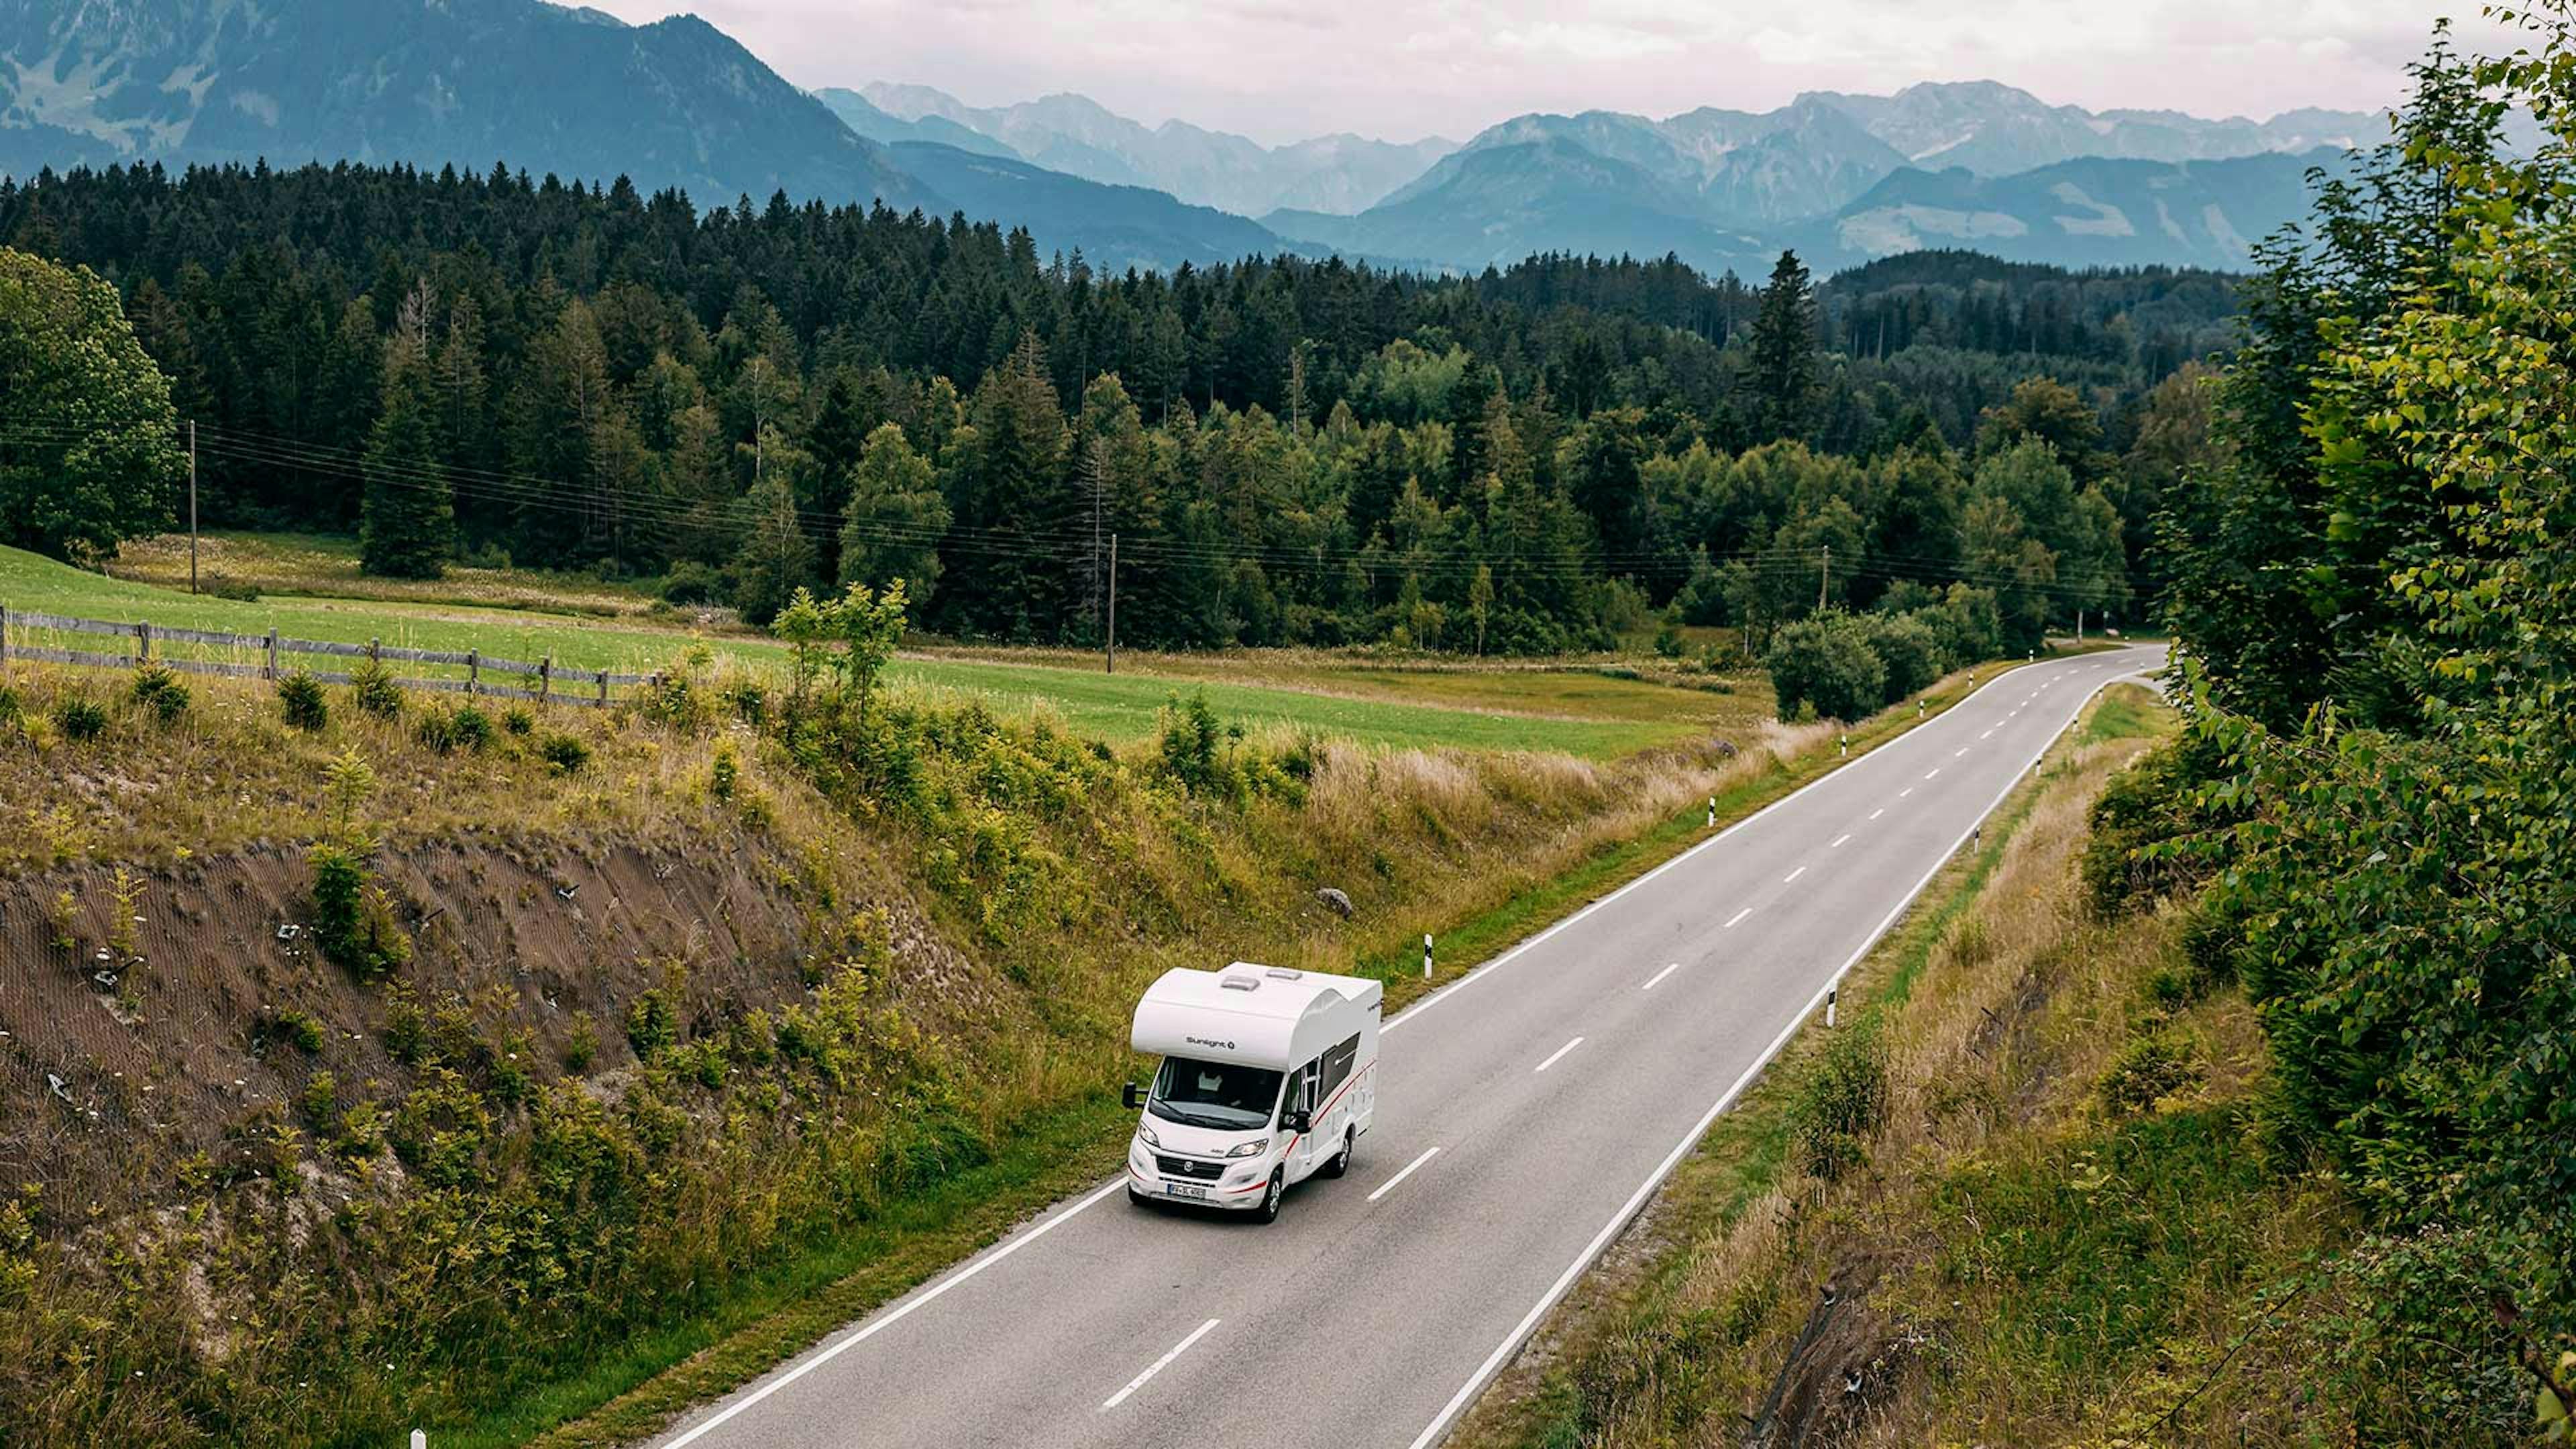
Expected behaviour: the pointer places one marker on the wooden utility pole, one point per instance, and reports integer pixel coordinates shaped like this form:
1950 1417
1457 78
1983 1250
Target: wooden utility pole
192 505
1110 658
1824 574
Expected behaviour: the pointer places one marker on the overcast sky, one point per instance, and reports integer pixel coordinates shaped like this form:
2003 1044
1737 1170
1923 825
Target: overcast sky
1278 70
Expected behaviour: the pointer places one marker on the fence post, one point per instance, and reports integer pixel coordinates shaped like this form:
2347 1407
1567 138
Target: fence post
473 669
272 654
603 689
372 656
545 678
142 644
4 635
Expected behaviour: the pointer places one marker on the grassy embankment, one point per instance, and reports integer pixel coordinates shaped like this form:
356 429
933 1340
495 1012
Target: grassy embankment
2022 1196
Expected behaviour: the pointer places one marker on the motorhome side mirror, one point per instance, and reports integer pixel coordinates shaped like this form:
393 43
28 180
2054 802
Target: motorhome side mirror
1297 1121
1135 1098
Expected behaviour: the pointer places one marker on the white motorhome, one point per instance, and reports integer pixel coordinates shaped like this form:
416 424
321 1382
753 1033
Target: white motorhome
1269 1076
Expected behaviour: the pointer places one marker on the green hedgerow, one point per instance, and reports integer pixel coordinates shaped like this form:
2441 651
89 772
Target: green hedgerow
300 695
80 718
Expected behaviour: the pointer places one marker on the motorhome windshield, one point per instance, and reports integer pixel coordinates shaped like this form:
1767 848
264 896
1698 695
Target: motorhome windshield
1216 1095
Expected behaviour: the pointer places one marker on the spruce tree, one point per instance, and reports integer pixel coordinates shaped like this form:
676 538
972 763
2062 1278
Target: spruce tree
1784 353
407 520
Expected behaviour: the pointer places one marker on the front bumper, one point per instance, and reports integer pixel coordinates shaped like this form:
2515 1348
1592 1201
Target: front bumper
1238 1186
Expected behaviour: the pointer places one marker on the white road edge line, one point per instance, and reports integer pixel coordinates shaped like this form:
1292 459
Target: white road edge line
897 1312
1553 1057
1733 920
1908 790
1388 1186
1930 773
1802 870
1157 1366
1874 814
1511 1343
1660 975
1838 842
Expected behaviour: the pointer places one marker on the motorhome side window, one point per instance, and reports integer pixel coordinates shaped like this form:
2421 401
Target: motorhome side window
1337 1068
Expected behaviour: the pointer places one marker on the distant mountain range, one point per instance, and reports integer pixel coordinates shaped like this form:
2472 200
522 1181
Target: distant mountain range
1074 134
1851 177
677 103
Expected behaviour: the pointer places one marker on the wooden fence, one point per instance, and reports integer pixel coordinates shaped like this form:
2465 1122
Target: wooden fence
543 680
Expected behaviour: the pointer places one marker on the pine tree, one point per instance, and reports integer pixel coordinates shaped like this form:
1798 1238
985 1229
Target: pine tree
1784 353
407 520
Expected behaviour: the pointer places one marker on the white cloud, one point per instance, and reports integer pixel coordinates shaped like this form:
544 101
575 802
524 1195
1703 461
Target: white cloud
1278 69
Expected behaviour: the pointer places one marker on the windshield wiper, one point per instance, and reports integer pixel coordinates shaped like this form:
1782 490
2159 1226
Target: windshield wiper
1192 1119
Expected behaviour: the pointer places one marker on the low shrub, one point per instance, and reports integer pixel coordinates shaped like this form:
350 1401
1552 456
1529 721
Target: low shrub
653 1022
79 718
1840 1102
518 719
353 918
300 696
2152 1066
461 728
372 688
156 687
565 753
691 582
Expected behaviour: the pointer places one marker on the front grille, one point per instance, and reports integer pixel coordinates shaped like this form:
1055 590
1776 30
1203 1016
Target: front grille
1184 1167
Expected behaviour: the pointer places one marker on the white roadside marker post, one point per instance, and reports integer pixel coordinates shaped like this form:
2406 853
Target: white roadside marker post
1846 749
1830 993
1426 955
419 1439
1712 812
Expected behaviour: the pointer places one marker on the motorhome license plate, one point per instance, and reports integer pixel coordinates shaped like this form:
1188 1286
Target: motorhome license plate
1183 1189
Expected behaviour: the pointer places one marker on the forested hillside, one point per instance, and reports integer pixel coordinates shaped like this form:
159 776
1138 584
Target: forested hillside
745 401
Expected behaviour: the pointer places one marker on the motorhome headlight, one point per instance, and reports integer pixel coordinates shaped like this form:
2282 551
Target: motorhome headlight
1249 1149
1147 1133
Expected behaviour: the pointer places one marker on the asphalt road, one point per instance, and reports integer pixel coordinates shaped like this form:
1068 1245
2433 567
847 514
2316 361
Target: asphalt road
1525 1113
